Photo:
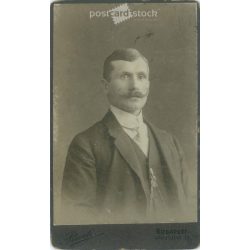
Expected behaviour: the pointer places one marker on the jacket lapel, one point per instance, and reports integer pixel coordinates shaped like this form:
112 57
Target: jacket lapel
165 143
124 146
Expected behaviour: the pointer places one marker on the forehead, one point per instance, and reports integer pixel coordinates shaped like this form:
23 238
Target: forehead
137 65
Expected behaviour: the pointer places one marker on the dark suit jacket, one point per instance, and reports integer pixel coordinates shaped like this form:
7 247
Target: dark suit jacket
102 182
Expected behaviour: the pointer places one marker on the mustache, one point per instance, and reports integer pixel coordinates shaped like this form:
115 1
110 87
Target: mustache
136 93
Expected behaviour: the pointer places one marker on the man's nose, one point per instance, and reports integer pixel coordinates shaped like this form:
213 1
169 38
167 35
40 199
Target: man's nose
134 82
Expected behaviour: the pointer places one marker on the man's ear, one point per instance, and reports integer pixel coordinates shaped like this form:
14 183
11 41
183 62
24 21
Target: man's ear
105 84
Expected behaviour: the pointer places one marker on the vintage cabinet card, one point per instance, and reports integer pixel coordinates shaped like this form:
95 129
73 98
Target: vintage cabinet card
125 122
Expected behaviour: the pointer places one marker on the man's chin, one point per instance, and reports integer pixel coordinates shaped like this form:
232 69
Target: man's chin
135 99
133 109
134 105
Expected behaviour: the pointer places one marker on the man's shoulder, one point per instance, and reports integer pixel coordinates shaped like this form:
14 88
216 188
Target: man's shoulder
159 132
164 137
91 134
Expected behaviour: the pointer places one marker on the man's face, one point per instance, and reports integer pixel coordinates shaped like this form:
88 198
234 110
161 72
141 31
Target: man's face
128 86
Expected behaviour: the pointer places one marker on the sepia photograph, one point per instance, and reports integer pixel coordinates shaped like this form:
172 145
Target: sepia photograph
125 131
102 105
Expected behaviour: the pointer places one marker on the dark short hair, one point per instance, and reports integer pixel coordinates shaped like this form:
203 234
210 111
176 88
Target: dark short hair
127 54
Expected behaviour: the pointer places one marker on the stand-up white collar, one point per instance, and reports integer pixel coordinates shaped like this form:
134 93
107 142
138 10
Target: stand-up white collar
126 119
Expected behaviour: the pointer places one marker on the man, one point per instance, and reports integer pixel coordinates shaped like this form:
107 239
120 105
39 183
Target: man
123 169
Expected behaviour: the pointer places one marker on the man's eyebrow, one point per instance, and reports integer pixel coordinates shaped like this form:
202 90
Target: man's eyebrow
125 72
142 73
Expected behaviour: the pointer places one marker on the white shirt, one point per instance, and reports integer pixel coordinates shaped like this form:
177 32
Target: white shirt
131 124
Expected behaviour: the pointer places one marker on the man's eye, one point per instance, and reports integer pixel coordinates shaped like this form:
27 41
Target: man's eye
124 76
141 76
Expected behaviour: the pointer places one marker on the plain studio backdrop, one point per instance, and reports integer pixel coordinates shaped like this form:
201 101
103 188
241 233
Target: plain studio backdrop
80 46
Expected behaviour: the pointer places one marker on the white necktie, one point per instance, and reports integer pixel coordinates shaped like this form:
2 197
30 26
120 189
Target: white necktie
141 138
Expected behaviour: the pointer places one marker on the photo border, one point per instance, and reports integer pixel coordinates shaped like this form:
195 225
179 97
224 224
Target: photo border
115 236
